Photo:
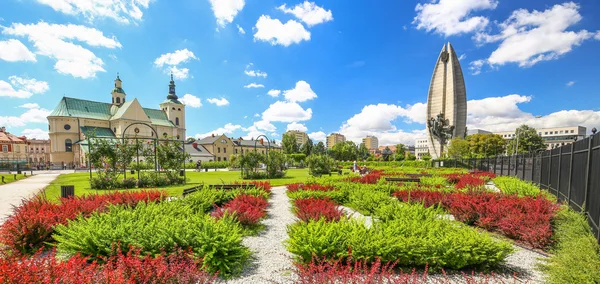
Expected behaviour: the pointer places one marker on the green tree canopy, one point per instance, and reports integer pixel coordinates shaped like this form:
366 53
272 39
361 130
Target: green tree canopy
400 152
307 147
486 145
344 151
363 151
289 144
459 148
527 140
319 149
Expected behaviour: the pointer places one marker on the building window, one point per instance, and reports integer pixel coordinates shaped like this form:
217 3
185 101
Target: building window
173 108
5 148
219 159
224 150
219 150
572 131
177 121
118 100
179 109
68 145
235 151
225 159
67 127
546 133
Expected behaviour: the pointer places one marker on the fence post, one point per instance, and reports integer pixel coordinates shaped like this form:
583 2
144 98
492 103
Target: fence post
502 166
524 166
559 172
587 175
571 172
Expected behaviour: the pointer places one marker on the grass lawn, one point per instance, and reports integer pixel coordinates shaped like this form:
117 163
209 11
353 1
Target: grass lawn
8 178
82 185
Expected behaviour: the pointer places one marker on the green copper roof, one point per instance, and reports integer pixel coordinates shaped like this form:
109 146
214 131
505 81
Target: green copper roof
173 101
96 131
158 117
119 90
71 107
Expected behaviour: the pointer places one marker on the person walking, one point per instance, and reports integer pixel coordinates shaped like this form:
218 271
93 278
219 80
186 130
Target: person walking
354 167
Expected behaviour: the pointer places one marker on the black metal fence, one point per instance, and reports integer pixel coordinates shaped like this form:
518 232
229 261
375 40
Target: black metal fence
571 172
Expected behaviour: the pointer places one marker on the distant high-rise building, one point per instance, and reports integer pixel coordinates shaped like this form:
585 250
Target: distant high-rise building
335 138
446 102
371 142
301 137
421 147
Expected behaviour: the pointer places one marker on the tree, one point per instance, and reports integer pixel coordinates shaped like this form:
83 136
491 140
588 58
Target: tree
345 151
459 148
190 140
411 157
400 152
307 147
486 145
426 157
319 149
289 144
363 151
320 164
386 153
527 139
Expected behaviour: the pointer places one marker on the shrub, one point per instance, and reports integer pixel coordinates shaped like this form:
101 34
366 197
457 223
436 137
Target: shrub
370 178
576 257
128 183
320 164
470 182
366 201
428 198
513 185
247 209
339 196
526 219
157 228
410 234
315 209
132 267
33 222
434 181
311 186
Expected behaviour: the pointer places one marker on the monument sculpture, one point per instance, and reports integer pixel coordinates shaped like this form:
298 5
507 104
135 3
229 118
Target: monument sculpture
446 102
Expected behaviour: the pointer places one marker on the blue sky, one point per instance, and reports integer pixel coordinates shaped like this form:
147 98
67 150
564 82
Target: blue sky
353 67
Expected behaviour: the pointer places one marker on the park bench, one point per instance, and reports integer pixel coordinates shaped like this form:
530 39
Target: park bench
409 179
188 191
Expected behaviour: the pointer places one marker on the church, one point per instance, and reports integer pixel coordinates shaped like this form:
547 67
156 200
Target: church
74 120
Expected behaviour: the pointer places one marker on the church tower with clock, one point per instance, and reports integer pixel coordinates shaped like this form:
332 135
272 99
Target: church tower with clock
175 111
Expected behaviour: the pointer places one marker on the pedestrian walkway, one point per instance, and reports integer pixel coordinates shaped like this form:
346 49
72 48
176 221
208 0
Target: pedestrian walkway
12 193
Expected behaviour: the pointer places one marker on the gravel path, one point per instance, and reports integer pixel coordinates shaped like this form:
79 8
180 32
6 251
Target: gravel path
271 262
12 193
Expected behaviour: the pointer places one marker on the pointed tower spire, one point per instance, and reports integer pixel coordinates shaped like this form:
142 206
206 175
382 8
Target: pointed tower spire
172 95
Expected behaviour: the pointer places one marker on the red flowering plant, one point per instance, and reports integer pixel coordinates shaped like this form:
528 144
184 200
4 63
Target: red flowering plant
314 209
44 267
311 187
33 222
370 178
247 209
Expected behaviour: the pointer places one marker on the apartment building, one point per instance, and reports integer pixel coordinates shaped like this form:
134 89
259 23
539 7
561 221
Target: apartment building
555 136
421 147
371 142
301 137
335 138
39 151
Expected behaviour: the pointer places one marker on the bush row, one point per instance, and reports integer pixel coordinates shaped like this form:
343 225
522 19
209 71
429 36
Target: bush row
33 222
314 209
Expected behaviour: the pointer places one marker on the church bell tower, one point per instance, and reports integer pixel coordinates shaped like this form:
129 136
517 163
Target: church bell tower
118 94
174 110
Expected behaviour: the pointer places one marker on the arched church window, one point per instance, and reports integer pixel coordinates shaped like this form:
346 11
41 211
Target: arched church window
68 145
118 100
177 121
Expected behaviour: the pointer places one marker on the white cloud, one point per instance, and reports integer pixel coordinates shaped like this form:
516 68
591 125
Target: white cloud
191 101
317 136
462 57
452 17
30 105
300 93
122 11
296 126
31 115
506 115
13 50
218 102
254 73
527 37
274 93
174 58
178 73
275 32
227 129
254 85
570 83
241 30
309 13
29 85
256 115
22 87
35 133
286 112
226 10
476 66
51 40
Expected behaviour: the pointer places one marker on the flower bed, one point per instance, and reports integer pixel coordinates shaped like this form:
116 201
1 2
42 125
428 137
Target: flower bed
33 222
247 209
132 267
315 209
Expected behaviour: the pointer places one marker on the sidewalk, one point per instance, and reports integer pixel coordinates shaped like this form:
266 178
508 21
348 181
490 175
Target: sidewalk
12 193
